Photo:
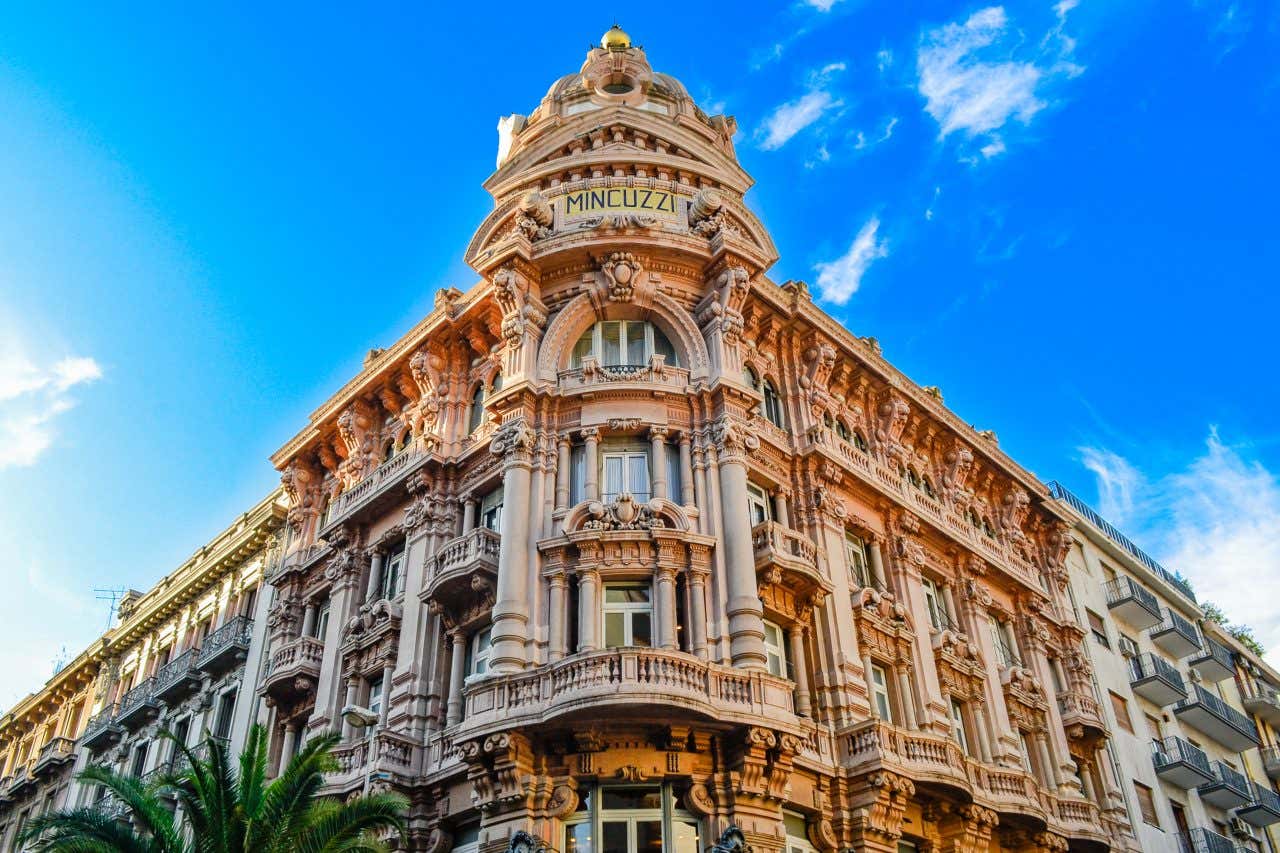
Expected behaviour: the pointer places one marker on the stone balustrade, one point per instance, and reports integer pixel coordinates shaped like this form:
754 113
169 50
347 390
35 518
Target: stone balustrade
390 473
298 659
633 677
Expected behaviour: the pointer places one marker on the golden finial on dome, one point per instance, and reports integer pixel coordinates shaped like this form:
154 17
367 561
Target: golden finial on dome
615 39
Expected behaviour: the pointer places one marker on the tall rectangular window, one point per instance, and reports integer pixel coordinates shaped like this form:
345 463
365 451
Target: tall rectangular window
392 570
322 622
1098 628
880 693
478 651
626 471
674 482
577 474
775 650
375 695
1121 709
491 510
1146 803
628 616
932 602
856 552
761 511
226 708
957 725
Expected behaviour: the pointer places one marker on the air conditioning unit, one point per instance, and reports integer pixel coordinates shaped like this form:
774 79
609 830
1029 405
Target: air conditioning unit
1128 647
1243 829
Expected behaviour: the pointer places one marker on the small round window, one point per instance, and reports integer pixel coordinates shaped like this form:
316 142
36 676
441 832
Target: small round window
621 87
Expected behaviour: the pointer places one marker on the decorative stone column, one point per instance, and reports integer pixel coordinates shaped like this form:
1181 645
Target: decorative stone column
780 497
905 695
458 661
666 584
698 612
686 470
588 611
377 557
468 512
800 668
658 461
515 444
591 461
563 462
558 593
745 612
308 619
353 691
876 553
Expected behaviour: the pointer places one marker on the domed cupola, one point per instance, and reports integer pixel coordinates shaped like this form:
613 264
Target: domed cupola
618 157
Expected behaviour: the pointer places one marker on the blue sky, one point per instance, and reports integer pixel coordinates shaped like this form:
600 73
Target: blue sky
1062 214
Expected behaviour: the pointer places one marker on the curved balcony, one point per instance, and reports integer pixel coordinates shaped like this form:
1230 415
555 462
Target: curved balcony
393 755
293 670
101 731
227 646
655 377
179 677
54 754
1081 715
449 573
138 706
644 682
786 558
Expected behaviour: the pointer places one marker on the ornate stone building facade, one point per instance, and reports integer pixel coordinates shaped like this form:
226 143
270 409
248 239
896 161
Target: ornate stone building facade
175 660
629 544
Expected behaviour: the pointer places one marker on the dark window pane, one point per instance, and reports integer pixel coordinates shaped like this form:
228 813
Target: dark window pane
648 836
632 798
641 634
615 837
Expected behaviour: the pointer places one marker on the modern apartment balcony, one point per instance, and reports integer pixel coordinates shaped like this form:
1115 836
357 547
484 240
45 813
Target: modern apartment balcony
54 754
1207 713
1265 704
1133 603
1156 680
1228 788
1271 762
378 489
1176 635
449 573
227 646
179 677
1179 763
787 557
102 731
1214 663
642 682
656 377
1263 808
1200 840
138 706
1080 710
294 670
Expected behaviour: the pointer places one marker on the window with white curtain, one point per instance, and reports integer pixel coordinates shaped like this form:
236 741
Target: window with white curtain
761 507
957 725
628 616
392 570
856 551
880 693
615 343
775 650
626 471
479 649
491 510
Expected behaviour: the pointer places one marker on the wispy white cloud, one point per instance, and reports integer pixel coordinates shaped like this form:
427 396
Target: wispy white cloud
1216 519
884 59
821 5
32 396
790 118
973 82
840 279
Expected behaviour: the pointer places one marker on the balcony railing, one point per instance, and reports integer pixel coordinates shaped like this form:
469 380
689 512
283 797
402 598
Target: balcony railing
227 645
102 729
293 669
58 751
1120 539
1265 702
1180 763
1271 761
1200 840
655 372
1080 709
1175 634
1156 680
1209 714
178 676
137 705
1263 808
1214 663
1133 602
386 475
1228 788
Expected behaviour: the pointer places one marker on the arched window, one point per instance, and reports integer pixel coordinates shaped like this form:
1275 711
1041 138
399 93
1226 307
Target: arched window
752 379
476 415
772 405
927 487
859 442
615 343
496 384
389 450
842 430
913 478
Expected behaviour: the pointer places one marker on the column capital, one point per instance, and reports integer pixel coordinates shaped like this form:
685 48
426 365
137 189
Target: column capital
516 442
659 432
591 433
732 440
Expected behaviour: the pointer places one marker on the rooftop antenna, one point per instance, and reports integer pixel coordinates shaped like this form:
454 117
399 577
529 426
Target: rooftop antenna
112 595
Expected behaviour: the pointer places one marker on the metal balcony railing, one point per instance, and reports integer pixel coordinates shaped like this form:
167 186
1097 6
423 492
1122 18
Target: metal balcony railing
1175 750
1200 840
1176 632
1214 661
1201 698
1153 666
236 632
1123 589
1067 497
